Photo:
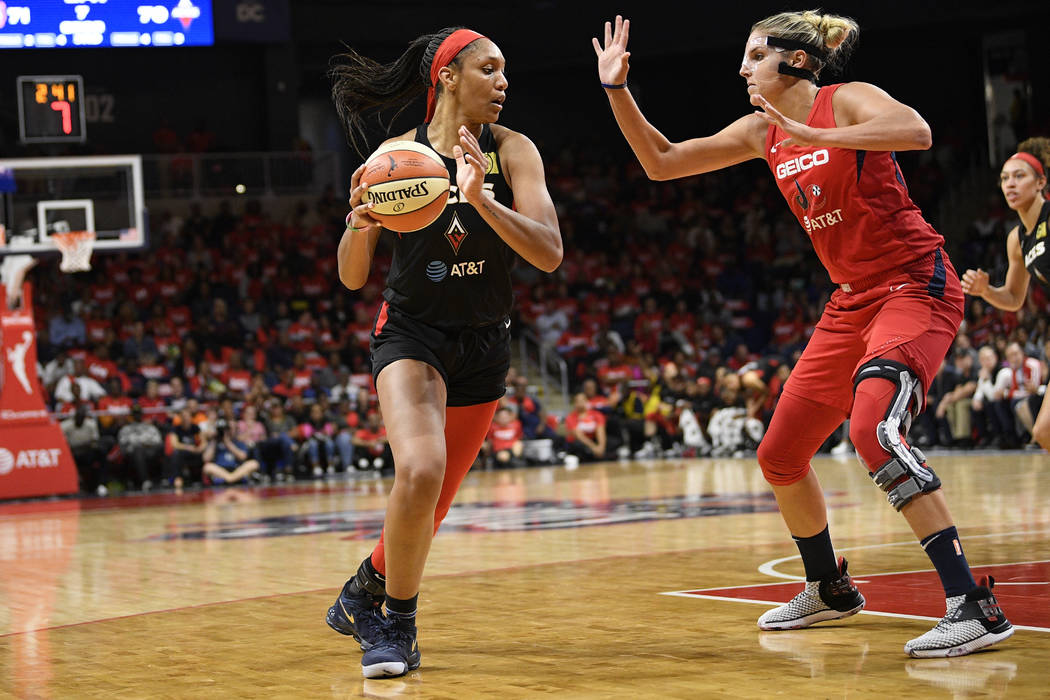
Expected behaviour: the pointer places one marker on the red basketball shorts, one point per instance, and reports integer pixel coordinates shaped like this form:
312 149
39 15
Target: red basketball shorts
916 309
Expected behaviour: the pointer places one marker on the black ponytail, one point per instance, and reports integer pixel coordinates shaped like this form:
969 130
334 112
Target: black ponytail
361 86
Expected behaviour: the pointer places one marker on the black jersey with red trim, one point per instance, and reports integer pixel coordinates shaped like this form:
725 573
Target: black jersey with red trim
1033 247
456 271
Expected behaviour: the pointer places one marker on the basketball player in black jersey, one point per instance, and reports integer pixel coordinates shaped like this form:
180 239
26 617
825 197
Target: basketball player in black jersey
441 341
1023 180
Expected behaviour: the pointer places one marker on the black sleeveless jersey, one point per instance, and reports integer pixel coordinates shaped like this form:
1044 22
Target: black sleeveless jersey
456 271
1033 247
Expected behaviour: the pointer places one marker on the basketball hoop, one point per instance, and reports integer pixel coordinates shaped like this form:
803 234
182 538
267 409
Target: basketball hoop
76 247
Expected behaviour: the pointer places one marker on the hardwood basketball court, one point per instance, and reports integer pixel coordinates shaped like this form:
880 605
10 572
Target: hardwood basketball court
640 579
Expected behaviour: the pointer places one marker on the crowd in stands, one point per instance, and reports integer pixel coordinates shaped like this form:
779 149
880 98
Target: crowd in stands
228 350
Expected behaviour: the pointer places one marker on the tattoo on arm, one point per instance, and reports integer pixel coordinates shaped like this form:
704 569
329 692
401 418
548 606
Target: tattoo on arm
489 208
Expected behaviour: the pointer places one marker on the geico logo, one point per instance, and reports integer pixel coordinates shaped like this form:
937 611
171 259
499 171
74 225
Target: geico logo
486 188
803 162
1034 253
465 269
28 459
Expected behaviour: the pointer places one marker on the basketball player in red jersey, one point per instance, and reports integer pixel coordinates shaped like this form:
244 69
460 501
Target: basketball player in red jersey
1023 180
885 330
441 341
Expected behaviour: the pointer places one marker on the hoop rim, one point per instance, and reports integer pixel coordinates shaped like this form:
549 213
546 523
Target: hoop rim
67 240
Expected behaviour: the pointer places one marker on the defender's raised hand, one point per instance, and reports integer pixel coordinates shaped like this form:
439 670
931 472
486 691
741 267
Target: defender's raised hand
613 57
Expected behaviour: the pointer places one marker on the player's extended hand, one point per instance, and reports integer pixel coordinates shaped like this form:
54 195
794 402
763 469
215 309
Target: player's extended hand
613 58
471 165
360 212
801 134
975 282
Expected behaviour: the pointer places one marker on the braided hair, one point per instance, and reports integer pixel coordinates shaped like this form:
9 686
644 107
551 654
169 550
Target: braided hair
362 86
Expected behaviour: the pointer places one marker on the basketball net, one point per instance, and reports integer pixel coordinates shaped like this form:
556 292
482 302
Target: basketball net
76 247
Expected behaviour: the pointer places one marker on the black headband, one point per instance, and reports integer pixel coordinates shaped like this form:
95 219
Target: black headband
791 44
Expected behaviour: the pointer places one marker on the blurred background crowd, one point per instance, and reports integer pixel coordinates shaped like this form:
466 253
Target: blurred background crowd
679 311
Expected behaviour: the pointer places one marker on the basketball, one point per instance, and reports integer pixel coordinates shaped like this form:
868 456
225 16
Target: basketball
407 184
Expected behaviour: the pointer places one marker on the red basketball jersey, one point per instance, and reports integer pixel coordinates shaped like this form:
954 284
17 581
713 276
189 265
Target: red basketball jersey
853 204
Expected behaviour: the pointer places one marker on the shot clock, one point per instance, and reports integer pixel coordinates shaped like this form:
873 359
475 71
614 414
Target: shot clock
51 108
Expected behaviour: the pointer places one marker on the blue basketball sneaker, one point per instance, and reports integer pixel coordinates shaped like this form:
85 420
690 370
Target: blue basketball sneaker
358 611
395 652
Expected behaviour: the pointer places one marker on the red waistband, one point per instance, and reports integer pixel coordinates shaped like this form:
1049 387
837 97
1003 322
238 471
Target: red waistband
865 283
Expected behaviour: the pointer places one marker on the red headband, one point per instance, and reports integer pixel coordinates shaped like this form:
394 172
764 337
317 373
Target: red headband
1031 160
449 49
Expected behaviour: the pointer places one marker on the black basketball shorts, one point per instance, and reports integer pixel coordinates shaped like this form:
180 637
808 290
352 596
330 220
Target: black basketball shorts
472 361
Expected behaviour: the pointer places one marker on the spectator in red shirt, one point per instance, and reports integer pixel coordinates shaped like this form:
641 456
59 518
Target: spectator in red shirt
585 431
371 446
287 387
236 378
152 403
504 441
301 333
649 326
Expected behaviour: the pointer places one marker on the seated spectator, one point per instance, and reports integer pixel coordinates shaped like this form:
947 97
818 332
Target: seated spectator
1027 407
153 405
1014 383
504 440
90 389
142 445
276 453
226 460
317 447
985 418
529 411
371 446
67 329
89 450
732 429
955 406
114 408
585 431
184 448
608 406
249 429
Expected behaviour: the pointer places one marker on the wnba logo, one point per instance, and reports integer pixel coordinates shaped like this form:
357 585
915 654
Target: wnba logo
436 270
7 461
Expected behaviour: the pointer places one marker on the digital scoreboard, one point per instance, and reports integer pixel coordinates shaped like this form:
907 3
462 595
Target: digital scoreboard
70 24
51 108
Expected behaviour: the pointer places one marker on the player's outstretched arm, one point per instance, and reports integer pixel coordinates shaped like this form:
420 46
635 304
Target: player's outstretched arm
1011 296
358 244
531 228
662 159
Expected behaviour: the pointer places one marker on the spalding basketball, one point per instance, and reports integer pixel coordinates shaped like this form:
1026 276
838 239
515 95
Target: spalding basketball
407 184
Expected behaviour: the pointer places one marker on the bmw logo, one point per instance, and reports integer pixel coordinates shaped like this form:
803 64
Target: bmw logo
436 270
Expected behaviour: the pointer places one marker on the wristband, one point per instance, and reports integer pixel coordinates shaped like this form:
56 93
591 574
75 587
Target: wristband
353 229
610 86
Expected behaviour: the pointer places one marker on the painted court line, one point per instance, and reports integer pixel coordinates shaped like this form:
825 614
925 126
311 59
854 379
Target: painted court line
687 594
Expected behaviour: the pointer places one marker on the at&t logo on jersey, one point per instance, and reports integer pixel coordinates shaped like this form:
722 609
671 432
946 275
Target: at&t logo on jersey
815 223
802 163
438 271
